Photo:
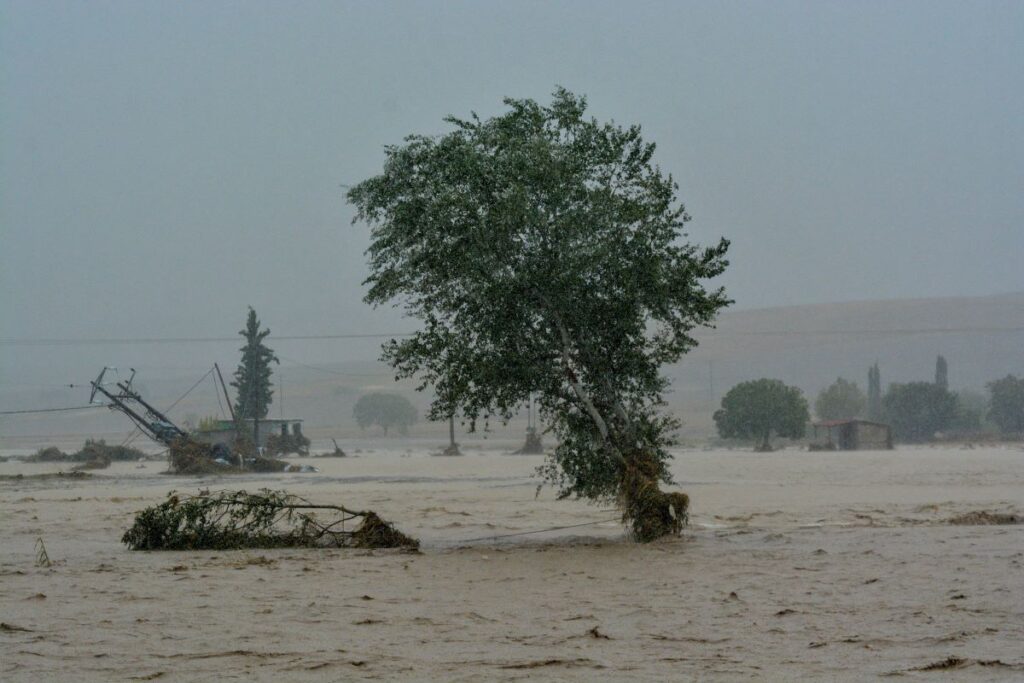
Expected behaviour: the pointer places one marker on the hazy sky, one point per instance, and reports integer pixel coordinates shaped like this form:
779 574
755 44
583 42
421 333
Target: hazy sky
163 165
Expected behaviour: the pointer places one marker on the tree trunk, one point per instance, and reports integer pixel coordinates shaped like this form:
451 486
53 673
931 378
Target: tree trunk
453 448
649 512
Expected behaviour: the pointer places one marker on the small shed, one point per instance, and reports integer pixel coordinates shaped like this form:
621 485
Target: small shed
852 435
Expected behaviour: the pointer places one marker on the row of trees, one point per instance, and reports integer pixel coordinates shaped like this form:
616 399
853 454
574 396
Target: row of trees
751 410
917 411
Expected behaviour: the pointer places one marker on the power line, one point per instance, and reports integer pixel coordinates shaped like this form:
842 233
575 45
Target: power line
321 337
185 340
216 392
135 433
840 332
182 397
48 410
538 531
319 368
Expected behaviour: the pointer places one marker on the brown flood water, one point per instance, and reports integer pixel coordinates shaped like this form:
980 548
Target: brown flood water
797 566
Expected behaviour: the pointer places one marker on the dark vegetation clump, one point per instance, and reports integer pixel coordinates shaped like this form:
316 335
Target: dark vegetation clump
229 520
94 452
985 518
45 475
265 465
194 457
650 512
49 454
100 461
282 444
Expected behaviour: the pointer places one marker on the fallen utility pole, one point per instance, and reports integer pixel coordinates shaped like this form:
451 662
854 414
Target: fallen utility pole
148 419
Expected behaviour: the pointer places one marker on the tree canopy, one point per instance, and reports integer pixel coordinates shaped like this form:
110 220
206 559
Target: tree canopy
840 400
544 252
384 410
254 391
917 410
1006 403
760 408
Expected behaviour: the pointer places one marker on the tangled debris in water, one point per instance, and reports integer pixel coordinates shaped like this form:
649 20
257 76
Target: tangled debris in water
192 457
985 517
188 456
227 520
650 512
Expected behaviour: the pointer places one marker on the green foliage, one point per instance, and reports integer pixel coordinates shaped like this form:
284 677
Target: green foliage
941 373
230 520
91 450
545 253
874 393
970 412
918 410
253 394
1006 404
760 408
385 410
841 400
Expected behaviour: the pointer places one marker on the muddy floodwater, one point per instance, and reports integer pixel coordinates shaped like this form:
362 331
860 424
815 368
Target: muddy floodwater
796 566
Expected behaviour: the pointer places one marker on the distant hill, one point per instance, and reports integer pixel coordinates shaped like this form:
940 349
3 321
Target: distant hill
982 338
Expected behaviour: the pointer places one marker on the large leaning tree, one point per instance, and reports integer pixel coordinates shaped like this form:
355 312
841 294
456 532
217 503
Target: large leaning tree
544 253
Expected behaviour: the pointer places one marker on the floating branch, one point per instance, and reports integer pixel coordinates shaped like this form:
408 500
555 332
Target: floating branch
225 520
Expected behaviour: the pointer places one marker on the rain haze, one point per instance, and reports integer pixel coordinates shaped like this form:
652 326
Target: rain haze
851 429
164 166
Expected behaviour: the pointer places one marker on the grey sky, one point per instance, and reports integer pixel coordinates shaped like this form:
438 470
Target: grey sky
163 165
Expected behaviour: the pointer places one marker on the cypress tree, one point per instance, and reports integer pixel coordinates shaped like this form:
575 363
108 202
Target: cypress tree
874 393
252 378
941 373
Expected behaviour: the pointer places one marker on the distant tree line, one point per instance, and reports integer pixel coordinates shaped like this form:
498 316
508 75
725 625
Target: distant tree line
916 411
